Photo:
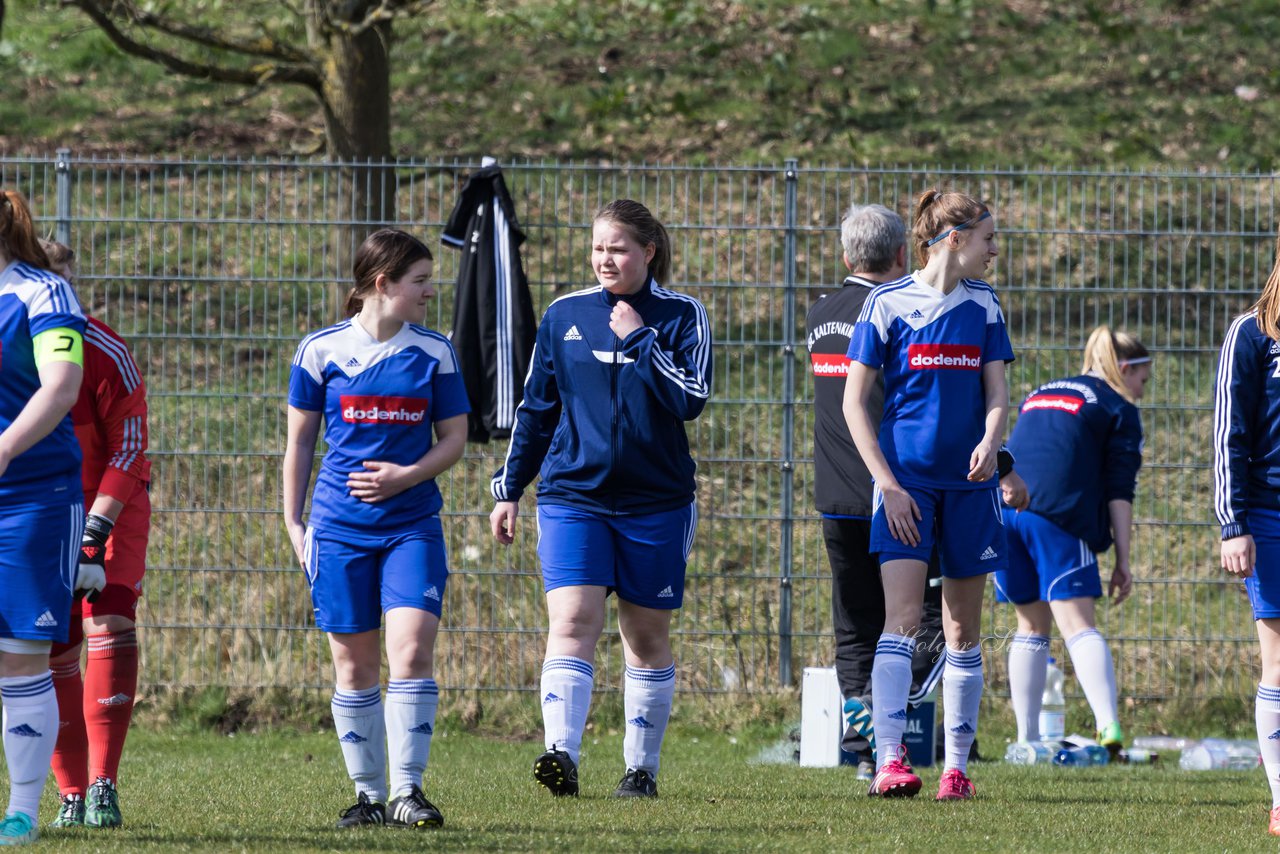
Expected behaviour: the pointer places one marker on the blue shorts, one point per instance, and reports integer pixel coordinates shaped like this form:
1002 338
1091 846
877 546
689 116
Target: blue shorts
354 580
643 557
965 523
1045 563
39 558
1263 586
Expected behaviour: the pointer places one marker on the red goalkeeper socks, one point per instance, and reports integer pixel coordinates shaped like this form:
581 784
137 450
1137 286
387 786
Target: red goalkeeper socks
110 682
71 755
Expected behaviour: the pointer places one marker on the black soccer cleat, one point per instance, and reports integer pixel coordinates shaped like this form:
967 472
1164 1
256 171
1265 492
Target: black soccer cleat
557 772
413 810
637 784
363 812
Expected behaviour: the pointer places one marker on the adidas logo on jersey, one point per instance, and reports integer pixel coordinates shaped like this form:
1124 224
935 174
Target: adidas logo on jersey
639 721
423 728
431 593
353 737
573 334
900 715
989 554
25 731
963 729
666 593
115 700
45 620
916 315
354 363
552 698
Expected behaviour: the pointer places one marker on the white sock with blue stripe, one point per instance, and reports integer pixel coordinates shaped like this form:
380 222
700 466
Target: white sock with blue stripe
357 716
1028 660
961 695
890 685
1266 713
411 720
30 733
1091 660
566 699
646 702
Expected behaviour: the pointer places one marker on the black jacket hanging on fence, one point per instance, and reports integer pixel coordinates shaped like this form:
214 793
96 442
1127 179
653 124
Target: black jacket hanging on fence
493 323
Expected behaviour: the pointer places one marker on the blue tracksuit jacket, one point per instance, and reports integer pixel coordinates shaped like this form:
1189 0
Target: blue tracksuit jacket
603 419
1246 426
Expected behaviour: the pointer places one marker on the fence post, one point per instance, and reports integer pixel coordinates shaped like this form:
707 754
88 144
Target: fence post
62 203
791 175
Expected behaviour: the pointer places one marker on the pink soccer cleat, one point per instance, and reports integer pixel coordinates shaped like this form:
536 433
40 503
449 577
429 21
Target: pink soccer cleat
955 786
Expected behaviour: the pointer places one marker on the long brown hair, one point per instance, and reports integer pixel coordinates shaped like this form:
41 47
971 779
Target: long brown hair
1107 352
1267 308
937 211
18 237
389 252
645 228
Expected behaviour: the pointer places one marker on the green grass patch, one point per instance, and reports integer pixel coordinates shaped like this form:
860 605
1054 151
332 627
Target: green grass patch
283 791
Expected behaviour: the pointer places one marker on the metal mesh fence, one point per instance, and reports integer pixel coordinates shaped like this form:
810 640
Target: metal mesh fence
213 271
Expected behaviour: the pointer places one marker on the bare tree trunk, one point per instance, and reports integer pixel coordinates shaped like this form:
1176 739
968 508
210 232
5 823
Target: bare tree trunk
356 98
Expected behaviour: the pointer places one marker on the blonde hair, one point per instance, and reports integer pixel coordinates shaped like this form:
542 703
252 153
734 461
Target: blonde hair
1106 353
59 254
937 211
1267 308
645 228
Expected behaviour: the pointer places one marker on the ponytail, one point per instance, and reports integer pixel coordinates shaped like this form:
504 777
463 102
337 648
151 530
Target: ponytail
18 238
1267 309
936 212
1106 354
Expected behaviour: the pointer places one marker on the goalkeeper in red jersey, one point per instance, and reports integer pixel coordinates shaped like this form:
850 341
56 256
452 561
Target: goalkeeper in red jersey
110 418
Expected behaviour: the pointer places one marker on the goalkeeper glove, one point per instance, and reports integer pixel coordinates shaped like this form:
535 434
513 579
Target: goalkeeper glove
92 576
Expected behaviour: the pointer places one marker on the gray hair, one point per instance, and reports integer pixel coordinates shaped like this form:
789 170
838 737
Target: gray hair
871 236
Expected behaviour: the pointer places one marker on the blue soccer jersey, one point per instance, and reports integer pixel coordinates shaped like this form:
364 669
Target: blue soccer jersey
32 301
932 347
380 400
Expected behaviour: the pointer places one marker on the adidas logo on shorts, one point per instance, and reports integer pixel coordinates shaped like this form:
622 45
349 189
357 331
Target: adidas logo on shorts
431 593
573 334
666 593
45 620
988 554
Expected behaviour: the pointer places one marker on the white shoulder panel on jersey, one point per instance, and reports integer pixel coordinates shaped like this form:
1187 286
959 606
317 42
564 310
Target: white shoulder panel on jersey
41 291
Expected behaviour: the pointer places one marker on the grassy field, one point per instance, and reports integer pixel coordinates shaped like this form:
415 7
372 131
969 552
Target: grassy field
282 792
1154 83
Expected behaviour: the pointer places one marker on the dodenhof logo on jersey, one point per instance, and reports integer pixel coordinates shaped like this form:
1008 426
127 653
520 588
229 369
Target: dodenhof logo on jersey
830 365
376 409
944 357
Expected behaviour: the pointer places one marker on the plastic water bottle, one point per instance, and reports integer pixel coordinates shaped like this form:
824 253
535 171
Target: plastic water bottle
1073 756
1219 754
1139 756
1053 706
1092 754
1028 753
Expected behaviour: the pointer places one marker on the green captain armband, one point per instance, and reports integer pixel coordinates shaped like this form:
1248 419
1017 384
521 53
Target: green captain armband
58 345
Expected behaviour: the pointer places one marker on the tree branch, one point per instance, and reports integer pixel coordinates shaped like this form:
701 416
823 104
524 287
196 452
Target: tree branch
254 75
266 46
356 16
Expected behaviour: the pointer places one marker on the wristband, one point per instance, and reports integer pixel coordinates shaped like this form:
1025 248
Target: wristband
1004 461
97 529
